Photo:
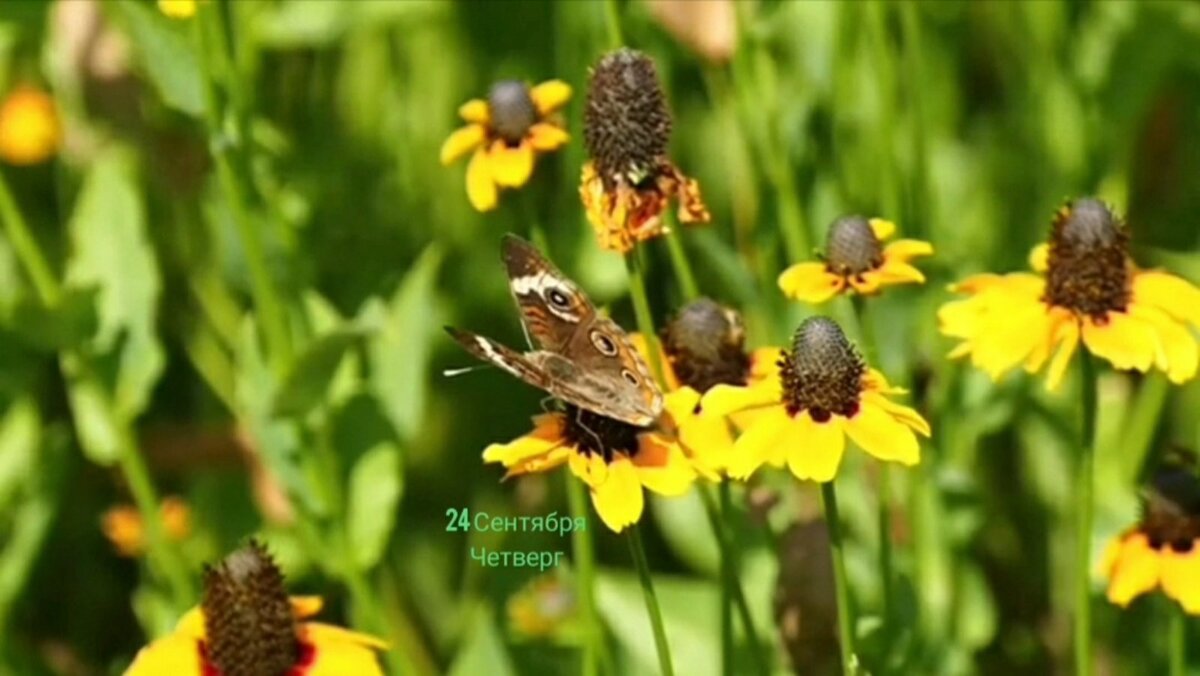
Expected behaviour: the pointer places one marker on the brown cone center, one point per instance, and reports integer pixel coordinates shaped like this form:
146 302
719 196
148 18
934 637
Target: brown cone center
822 373
1088 266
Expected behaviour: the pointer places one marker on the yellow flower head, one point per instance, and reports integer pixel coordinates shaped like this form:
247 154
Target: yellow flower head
123 526
247 624
1087 288
178 9
29 128
1164 549
505 131
822 394
704 346
615 459
855 259
629 180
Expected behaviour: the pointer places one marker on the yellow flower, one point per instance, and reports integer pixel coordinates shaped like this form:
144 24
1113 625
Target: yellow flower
630 179
178 9
703 346
856 260
248 620
123 526
615 459
1087 289
505 131
823 393
29 126
1164 549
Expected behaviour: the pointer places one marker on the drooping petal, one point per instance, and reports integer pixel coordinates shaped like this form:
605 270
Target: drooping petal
759 443
1173 295
883 228
1002 325
814 449
662 467
1067 337
904 249
897 272
902 413
867 283
481 188
1181 577
1126 342
1135 572
589 467
545 137
550 95
881 435
1039 257
175 654
475 111
511 167
462 141
339 652
705 437
547 435
810 282
875 381
618 499
725 399
1178 354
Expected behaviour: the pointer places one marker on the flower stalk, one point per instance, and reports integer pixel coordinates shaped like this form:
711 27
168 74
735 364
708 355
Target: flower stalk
585 573
840 582
1083 524
634 537
1177 637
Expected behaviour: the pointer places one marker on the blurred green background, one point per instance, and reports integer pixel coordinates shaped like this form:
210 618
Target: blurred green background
967 123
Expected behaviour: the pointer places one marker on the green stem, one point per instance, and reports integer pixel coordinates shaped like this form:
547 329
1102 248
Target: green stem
1177 657
641 311
683 267
585 572
730 581
612 22
1083 524
840 583
26 247
656 622
728 577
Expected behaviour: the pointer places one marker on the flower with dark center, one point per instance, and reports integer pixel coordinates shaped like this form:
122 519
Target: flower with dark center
1085 289
823 394
248 626
855 260
615 459
630 178
505 132
1163 550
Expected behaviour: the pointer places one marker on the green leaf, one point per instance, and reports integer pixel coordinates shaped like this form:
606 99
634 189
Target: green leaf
299 24
376 484
307 381
166 54
111 252
98 435
401 350
70 323
20 434
482 652
689 612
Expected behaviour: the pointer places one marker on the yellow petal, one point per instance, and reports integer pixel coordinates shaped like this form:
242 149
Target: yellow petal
639 344
896 272
725 399
867 283
191 624
511 167
550 95
705 437
902 413
546 436
176 654
545 137
1135 572
340 652
1067 337
1126 342
475 111
903 249
306 606
875 381
1173 295
1181 577
764 363
462 141
810 282
881 435
813 449
618 499
883 229
1178 354
1039 257
481 189
662 467
759 443
589 467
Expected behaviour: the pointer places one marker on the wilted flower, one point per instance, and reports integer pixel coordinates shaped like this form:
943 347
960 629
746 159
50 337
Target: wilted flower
505 131
629 179
1088 289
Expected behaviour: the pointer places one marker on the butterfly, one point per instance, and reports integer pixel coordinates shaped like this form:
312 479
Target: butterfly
579 356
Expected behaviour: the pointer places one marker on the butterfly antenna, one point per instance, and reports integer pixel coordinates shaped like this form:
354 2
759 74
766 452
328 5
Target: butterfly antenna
450 373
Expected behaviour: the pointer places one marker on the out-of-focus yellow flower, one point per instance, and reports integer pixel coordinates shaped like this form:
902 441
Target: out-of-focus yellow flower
178 9
30 132
506 131
823 394
248 620
123 526
542 607
1087 290
1164 549
630 179
855 259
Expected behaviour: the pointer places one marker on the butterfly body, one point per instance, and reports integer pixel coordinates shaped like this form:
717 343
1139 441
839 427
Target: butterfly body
580 357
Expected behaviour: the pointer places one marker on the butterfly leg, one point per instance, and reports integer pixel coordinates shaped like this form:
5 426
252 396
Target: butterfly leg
549 404
599 442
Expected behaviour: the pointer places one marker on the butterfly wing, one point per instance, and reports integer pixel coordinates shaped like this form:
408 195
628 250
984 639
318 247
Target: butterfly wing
506 358
552 307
